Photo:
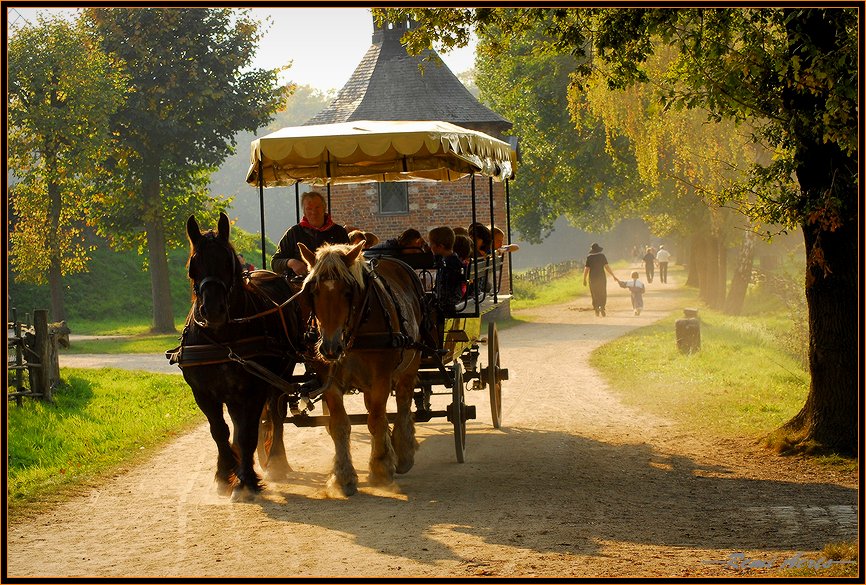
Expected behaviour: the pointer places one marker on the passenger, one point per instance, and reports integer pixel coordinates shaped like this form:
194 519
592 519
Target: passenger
450 284
460 231
370 239
356 236
498 242
409 242
314 229
481 237
463 248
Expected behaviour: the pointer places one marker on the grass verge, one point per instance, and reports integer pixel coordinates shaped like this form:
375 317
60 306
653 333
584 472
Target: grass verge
134 344
100 418
741 383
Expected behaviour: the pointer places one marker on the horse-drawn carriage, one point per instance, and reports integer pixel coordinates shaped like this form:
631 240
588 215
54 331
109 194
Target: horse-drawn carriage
353 324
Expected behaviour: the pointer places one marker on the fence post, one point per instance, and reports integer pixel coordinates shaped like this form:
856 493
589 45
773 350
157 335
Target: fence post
41 375
19 356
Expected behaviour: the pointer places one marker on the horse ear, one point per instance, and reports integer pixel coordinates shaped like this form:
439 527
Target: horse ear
308 255
353 253
193 232
223 227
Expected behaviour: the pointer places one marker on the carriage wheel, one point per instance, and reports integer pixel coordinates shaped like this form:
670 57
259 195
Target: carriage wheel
266 437
458 412
494 382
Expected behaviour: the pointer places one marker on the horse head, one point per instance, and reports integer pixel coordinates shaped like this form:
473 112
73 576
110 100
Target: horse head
214 269
334 289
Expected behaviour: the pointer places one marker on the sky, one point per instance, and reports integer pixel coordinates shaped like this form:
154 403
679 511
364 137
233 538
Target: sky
324 44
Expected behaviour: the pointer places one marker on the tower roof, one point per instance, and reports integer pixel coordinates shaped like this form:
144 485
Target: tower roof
389 85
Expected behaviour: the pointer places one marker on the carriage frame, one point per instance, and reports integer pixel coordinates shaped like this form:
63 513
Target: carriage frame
375 151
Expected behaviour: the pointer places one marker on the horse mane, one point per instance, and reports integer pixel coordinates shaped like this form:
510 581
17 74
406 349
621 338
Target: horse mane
330 264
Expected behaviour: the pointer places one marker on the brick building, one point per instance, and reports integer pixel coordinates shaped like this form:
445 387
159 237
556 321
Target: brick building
389 85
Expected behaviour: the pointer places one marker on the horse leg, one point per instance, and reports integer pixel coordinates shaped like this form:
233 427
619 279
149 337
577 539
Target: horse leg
246 417
277 466
344 477
403 437
383 461
219 431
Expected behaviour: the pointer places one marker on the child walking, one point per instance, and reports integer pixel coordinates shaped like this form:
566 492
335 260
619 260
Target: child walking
637 288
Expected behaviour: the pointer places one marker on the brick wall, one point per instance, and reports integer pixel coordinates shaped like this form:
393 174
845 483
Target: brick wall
431 204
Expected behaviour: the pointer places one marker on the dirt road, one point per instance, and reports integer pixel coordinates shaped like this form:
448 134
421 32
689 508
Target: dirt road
574 484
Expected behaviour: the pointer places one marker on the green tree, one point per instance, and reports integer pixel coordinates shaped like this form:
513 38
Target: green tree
62 90
565 167
793 72
192 91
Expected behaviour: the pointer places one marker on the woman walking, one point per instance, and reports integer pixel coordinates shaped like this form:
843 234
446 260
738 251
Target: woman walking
595 267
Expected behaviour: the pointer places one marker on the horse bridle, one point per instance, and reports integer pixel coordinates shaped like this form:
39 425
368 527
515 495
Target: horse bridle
198 287
354 317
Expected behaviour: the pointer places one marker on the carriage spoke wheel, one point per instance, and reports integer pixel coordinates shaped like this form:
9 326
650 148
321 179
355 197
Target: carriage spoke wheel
457 412
494 381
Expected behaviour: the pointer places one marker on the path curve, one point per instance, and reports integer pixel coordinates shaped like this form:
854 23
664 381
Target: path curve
575 484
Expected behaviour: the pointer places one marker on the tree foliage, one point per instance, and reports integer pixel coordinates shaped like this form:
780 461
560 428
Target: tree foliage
62 91
793 74
192 91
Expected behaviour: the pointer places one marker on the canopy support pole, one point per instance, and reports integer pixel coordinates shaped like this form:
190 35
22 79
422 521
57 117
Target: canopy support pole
262 211
508 229
492 251
297 203
474 249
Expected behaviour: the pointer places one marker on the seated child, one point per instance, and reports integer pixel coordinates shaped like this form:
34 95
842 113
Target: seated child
637 288
448 287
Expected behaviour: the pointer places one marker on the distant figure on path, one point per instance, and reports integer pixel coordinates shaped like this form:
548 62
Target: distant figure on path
636 288
663 256
649 262
595 267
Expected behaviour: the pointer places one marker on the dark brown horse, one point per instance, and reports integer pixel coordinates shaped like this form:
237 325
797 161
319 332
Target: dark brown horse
240 339
368 322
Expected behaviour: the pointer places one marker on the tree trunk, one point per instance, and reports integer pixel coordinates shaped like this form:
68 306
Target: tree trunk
829 416
55 273
163 317
711 291
693 277
829 189
742 274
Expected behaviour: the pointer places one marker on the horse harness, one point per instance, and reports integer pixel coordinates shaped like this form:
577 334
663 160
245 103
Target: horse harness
242 351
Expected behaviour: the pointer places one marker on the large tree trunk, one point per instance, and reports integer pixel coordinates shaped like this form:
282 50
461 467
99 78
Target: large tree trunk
829 416
163 317
742 274
712 288
693 278
828 180
55 274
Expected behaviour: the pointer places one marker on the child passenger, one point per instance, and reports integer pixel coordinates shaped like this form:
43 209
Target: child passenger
448 287
637 288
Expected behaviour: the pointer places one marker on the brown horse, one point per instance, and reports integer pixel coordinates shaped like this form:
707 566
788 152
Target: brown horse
368 321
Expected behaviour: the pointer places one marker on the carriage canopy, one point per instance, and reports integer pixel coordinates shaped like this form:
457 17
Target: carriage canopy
368 151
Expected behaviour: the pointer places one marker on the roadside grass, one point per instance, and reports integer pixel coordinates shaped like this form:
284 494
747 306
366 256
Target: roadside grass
562 290
101 419
141 343
741 383
837 559
113 326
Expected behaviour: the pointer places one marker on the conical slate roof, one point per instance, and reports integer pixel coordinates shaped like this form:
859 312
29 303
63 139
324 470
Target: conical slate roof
388 85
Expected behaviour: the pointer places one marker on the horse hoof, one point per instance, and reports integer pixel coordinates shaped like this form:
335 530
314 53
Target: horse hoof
244 494
342 489
405 467
223 489
277 472
381 481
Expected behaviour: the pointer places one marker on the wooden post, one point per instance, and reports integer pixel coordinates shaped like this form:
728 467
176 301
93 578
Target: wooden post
19 356
40 375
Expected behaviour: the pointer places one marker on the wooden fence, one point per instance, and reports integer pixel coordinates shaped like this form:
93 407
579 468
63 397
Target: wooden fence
34 349
544 274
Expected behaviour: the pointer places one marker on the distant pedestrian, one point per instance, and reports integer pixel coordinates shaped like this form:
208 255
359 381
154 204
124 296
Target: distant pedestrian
636 288
663 256
595 267
649 262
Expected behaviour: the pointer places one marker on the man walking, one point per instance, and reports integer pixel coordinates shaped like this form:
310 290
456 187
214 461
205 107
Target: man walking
663 256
